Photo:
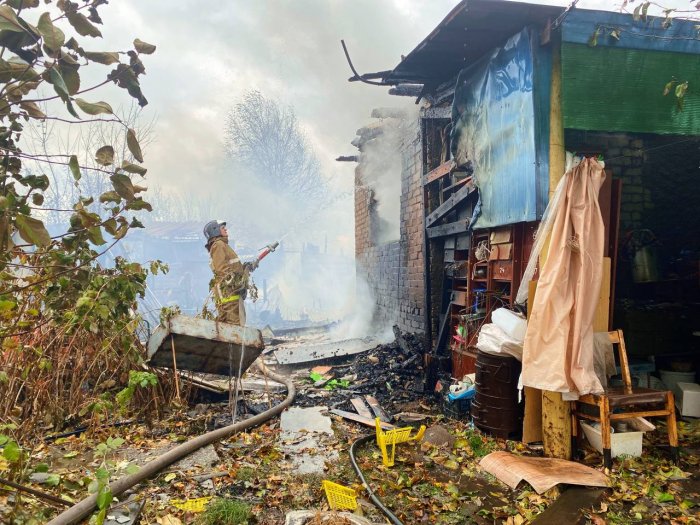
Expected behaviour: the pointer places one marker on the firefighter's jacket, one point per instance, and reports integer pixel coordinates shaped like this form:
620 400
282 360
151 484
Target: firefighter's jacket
230 277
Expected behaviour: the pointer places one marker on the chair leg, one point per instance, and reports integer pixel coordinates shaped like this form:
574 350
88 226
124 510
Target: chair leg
604 408
671 426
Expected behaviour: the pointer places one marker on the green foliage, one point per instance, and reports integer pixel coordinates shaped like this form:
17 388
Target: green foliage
167 312
679 89
10 451
136 380
67 319
226 512
332 384
100 484
40 57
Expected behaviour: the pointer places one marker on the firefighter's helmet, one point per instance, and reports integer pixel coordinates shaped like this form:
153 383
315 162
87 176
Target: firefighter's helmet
212 229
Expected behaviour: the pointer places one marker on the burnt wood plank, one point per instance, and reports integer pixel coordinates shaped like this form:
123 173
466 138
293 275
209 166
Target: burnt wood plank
360 407
451 228
359 419
377 409
448 205
444 112
439 172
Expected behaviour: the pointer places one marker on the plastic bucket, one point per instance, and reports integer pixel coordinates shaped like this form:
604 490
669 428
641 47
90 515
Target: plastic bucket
671 380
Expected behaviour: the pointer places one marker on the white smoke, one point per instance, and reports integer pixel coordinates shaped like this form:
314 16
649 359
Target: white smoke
381 164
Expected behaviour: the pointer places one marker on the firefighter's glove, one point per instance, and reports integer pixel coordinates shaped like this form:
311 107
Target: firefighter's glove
251 266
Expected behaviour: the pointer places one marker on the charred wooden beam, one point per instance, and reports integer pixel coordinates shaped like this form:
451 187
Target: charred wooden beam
377 409
348 158
369 76
452 228
389 113
401 340
447 206
363 78
406 90
443 112
456 185
439 172
444 332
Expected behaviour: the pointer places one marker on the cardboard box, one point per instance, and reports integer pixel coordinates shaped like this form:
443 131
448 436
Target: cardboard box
627 443
688 402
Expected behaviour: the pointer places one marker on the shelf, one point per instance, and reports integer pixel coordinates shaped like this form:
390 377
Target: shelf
480 279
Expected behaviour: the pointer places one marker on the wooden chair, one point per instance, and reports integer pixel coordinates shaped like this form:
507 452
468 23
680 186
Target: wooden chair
624 403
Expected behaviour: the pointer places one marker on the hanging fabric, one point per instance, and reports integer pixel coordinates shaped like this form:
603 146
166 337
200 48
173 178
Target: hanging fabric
558 348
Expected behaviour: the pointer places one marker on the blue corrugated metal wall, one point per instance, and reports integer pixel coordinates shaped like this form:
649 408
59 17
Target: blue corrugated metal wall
500 119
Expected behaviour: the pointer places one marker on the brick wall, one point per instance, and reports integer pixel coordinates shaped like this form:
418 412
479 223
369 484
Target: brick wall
394 271
625 157
412 234
659 192
363 205
379 266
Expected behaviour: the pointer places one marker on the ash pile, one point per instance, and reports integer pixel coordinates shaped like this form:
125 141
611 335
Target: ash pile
392 373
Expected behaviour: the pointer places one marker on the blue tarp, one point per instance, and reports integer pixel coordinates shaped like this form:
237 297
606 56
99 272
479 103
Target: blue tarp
496 130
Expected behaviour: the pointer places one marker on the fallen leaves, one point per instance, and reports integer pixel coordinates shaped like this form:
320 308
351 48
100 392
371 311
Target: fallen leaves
168 519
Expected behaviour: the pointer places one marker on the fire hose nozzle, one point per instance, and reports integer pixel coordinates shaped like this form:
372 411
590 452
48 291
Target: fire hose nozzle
267 249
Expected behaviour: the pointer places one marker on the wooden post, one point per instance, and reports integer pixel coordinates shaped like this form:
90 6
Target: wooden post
175 374
556 413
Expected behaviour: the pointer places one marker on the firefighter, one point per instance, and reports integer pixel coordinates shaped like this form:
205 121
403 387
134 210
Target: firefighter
230 275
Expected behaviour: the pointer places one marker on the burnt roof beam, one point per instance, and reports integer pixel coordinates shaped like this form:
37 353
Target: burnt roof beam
363 78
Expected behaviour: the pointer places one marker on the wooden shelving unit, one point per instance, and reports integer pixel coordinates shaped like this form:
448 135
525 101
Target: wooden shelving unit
494 281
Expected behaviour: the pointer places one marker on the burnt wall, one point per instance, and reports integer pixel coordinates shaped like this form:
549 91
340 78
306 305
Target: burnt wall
394 271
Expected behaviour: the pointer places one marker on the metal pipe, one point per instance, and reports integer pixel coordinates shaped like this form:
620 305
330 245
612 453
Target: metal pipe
82 509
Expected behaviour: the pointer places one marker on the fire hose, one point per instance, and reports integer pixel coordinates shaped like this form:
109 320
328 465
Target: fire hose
353 459
85 507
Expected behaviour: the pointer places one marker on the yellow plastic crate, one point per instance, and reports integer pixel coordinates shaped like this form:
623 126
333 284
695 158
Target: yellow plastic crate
391 438
339 497
191 505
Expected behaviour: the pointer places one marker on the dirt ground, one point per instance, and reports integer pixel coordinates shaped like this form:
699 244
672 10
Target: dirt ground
428 484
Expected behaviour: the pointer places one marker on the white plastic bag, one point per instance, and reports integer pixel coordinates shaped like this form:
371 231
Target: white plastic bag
494 340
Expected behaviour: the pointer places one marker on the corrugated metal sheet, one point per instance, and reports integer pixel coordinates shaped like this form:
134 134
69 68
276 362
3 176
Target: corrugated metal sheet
494 127
201 345
608 89
470 30
543 83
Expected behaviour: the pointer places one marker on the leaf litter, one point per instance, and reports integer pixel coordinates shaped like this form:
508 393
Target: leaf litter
428 484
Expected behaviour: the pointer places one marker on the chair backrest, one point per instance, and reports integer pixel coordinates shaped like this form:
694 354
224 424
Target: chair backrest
617 338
